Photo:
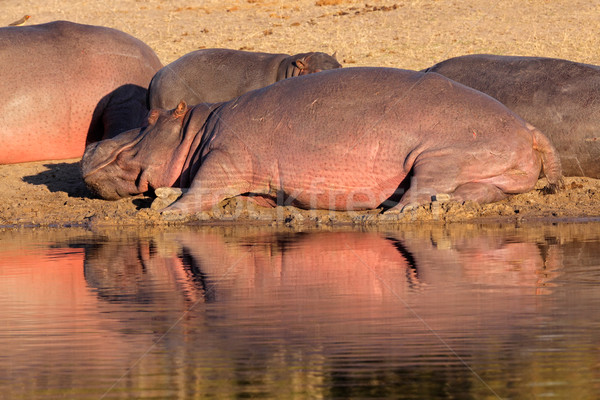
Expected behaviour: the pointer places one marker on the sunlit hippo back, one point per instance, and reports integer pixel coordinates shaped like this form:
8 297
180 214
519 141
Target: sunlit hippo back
64 85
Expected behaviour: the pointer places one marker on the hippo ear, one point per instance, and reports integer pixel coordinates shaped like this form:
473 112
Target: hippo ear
334 55
301 63
180 110
153 117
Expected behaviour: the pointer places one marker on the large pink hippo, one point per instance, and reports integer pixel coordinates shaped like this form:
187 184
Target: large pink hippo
342 139
63 85
559 97
215 75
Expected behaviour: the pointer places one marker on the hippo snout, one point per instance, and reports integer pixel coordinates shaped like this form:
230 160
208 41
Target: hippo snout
101 169
135 161
102 182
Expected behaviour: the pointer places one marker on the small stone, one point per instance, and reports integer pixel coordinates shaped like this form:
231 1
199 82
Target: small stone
165 196
166 192
441 197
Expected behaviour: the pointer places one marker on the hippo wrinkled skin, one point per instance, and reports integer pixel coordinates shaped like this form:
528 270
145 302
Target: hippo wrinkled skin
63 85
342 139
215 75
559 97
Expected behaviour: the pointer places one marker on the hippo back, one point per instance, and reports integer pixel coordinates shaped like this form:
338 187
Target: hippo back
64 84
557 96
217 75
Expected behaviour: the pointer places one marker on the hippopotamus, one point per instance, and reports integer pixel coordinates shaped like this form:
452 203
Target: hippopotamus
559 97
343 139
215 75
64 85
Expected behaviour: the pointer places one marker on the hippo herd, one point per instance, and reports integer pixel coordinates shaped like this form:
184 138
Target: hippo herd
298 128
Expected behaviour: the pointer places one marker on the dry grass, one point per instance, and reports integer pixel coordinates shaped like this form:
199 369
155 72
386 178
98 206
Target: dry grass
412 34
330 2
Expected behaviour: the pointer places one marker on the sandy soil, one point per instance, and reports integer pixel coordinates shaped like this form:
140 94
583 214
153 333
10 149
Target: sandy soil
406 34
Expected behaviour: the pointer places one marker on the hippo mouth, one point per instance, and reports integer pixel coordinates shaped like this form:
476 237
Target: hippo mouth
112 183
108 169
113 190
124 177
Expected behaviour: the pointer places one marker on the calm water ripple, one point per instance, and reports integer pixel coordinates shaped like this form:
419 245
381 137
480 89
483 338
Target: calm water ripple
464 311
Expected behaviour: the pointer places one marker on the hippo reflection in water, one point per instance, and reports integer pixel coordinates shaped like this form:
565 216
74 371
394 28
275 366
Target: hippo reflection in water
331 309
400 297
319 297
354 267
559 97
343 139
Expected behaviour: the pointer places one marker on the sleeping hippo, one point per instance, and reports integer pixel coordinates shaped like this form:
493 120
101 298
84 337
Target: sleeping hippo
342 139
64 84
561 98
215 75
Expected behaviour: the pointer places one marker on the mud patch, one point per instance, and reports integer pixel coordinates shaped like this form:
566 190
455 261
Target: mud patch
53 194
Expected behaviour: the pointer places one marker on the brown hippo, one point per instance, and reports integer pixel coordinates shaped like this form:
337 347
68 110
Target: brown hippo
64 84
559 97
215 75
342 139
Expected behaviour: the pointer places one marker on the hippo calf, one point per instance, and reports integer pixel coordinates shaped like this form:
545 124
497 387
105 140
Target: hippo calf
343 139
215 75
559 97
64 84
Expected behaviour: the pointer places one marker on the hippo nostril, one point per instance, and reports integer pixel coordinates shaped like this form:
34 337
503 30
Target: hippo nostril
138 180
141 182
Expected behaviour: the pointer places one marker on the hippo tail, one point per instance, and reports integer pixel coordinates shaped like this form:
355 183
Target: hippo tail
550 160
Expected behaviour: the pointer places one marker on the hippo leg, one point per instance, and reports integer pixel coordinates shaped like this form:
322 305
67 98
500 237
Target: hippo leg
478 192
429 180
220 177
472 191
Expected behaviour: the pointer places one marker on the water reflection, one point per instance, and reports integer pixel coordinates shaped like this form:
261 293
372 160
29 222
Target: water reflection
431 312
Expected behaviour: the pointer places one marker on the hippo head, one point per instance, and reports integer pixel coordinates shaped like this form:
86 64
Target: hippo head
140 159
309 63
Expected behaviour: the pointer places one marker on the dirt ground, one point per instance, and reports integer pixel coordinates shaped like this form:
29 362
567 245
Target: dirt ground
406 34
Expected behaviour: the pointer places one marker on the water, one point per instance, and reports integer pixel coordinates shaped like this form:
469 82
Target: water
461 312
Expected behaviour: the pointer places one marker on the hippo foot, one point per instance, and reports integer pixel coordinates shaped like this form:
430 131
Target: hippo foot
367 218
389 216
434 200
400 209
553 188
397 213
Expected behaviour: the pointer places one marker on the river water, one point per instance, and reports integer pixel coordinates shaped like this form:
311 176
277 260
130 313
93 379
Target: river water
455 312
